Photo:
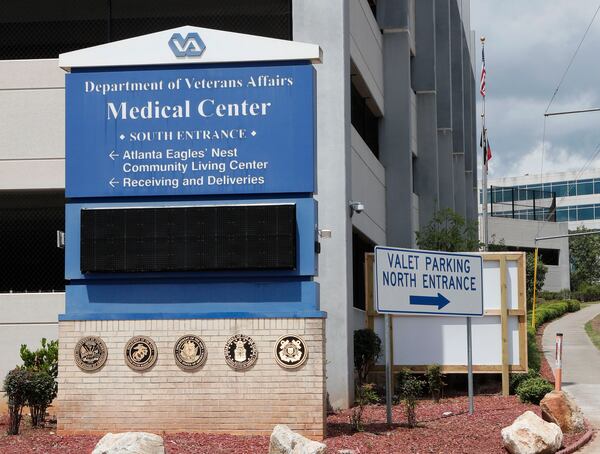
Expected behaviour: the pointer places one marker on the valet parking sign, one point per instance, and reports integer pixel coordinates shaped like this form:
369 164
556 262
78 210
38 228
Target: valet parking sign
426 282
204 130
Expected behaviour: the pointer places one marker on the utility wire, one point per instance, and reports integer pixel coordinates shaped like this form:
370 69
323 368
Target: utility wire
562 78
572 59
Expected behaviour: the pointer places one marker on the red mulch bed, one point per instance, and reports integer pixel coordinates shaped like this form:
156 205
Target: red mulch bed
459 433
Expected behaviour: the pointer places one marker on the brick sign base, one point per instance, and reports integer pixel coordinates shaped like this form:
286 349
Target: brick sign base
213 398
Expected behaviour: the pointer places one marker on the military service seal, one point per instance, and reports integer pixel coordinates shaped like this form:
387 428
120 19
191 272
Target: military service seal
291 351
240 352
90 353
140 353
190 352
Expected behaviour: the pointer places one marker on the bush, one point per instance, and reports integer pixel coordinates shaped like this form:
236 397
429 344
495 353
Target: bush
587 292
435 381
534 360
365 395
43 365
563 294
410 389
367 348
517 379
533 390
16 387
45 359
41 393
549 311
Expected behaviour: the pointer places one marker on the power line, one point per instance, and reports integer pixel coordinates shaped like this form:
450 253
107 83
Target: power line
572 59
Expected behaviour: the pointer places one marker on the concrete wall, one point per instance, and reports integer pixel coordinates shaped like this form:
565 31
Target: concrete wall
327 23
32 128
518 232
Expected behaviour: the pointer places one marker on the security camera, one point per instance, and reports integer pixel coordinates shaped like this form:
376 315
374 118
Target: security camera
356 207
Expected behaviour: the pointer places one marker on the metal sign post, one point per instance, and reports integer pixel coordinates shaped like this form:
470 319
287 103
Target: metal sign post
470 365
388 369
408 281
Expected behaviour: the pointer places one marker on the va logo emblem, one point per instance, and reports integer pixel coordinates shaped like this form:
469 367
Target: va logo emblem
190 46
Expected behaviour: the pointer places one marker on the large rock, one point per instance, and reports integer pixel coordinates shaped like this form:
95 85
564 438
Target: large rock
284 441
530 434
130 443
558 407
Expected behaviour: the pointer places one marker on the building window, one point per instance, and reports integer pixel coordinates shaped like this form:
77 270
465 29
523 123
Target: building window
364 120
28 223
585 187
360 246
44 29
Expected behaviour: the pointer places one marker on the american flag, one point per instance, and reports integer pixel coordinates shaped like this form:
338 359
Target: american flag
482 82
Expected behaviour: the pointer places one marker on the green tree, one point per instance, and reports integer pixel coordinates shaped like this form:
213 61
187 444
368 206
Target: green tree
584 253
449 231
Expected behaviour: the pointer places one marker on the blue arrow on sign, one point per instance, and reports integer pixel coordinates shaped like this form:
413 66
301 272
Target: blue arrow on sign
440 301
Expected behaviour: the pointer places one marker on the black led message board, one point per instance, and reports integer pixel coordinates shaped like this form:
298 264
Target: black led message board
200 238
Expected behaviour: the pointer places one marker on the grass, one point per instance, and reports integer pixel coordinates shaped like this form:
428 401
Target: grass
592 328
588 304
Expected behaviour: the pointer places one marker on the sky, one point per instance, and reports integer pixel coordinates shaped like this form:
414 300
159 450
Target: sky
528 47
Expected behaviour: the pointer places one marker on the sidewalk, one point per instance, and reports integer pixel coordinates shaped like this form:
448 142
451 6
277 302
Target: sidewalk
581 365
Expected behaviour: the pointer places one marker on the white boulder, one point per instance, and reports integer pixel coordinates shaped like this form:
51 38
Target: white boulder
284 441
530 434
130 443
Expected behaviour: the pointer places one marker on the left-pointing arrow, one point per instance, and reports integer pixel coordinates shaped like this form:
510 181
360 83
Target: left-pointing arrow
113 182
440 300
112 155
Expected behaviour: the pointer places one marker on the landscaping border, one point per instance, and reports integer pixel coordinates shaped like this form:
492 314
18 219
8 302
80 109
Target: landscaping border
578 444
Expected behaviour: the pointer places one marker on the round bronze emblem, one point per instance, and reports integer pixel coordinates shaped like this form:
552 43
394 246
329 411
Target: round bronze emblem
291 351
140 353
190 352
90 353
240 352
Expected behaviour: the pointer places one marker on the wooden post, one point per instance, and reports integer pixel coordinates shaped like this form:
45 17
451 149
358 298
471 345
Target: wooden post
504 326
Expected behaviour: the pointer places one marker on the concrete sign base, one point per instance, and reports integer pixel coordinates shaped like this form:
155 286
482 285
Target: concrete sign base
249 396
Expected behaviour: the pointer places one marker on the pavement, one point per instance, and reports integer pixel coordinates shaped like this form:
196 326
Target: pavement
581 365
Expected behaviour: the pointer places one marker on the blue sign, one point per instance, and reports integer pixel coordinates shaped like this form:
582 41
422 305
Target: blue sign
190 131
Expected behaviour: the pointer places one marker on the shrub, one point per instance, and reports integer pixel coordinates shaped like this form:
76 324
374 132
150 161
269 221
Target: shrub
16 387
365 395
435 381
534 360
563 294
410 389
549 311
517 379
533 390
587 292
43 364
367 348
44 359
41 393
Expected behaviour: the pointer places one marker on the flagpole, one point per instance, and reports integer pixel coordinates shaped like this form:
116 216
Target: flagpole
484 201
